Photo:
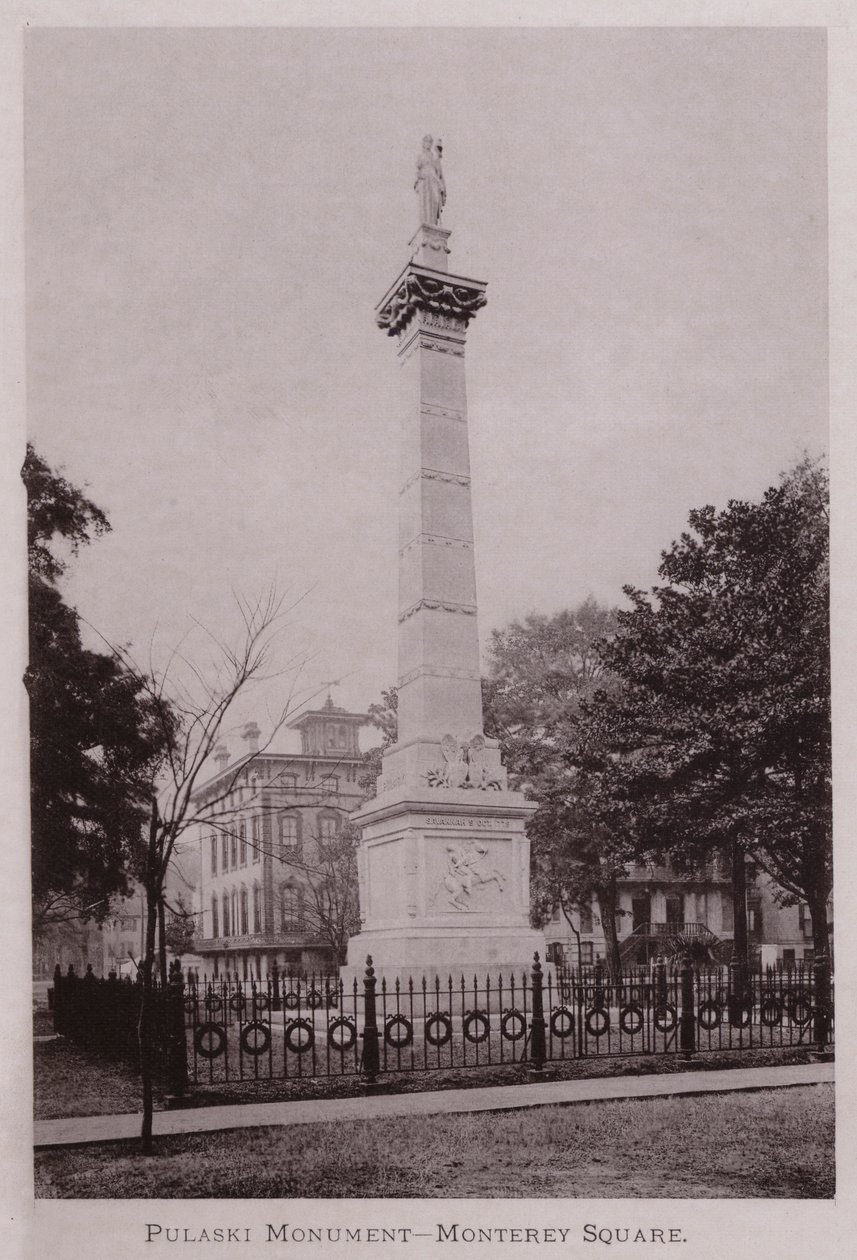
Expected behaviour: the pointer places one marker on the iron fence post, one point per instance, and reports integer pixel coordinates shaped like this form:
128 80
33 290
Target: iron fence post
56 1006
598 991
821 1005
659 983
737 992
371 1064
176 1041
687 1026
538 1025
275 979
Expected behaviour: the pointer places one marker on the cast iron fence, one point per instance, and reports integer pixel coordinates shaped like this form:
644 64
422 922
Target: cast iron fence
292 1028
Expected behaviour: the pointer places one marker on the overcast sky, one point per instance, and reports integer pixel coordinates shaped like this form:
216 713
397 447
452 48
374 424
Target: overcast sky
212 216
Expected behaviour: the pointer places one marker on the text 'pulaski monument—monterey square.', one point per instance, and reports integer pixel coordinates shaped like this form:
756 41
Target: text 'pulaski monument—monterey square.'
444 861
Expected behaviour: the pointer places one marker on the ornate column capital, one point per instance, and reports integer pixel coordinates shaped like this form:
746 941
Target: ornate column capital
431 292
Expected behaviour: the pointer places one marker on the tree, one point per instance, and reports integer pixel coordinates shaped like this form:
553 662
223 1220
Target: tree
726 688
543 673
385 717
540 671
180 928
331 903
94 741
189 717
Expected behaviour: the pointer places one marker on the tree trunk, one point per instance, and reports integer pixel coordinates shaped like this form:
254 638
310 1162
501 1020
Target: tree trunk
740 947
820 972
162 944
576 935
608 899
145 1024
820 937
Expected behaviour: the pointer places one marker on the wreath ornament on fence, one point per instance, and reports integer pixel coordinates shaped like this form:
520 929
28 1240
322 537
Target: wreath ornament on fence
666 1018
597 1022
476 1027
209 1040
631 1019
709 1014
341 1034
438 1029
770 1012
255 1038
300 1035
513 1026
398 1032
562 1023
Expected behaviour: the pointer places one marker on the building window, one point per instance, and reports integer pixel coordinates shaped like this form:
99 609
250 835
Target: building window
233 850
557 914
587 953
289 782
244 916
242 842
225 915
233 913
257 908
288 833
804 919
215 918
675 911
291 908
728 912
585 911
213 854
330 784
328 826
754 918
255 836
224 852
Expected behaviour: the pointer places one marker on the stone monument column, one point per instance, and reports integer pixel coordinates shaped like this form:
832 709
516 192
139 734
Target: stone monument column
444 859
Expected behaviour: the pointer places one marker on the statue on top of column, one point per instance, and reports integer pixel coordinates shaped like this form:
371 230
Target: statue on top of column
429 186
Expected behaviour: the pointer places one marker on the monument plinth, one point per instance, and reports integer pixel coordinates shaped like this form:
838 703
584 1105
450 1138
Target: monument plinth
443 862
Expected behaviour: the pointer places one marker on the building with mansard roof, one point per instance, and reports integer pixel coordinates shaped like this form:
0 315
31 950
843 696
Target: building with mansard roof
267 812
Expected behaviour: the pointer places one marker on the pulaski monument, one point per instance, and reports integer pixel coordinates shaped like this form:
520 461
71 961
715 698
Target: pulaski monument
444 860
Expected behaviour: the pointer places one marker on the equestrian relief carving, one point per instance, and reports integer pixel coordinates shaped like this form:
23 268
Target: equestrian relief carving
466 765
466 871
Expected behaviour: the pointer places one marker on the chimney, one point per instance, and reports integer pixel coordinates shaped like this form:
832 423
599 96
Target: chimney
221 757
251 735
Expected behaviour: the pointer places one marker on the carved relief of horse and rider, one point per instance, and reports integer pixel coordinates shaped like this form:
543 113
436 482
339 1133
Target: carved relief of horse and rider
465 871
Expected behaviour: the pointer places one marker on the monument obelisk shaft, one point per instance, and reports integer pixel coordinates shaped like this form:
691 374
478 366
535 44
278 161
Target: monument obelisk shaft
444 859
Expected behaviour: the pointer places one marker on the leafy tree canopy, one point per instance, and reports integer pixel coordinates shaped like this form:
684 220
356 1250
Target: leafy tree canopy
93 745
385 717
726 689
543 674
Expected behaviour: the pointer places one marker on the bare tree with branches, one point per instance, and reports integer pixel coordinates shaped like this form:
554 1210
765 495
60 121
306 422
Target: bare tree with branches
192 713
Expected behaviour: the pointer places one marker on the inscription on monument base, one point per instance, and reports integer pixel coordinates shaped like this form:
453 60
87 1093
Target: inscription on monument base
456 820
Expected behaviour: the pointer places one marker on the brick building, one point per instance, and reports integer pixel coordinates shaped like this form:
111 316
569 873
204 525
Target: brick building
254 899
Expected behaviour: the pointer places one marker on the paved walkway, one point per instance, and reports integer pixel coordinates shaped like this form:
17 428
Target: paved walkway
437 1102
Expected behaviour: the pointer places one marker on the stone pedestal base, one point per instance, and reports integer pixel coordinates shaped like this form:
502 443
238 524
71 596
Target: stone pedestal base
480 953
444 888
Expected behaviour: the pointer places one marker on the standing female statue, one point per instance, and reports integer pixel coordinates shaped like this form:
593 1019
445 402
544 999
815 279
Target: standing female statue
430 188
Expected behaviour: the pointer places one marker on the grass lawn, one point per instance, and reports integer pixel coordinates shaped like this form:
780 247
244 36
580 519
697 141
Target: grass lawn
71 1081
771 1144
